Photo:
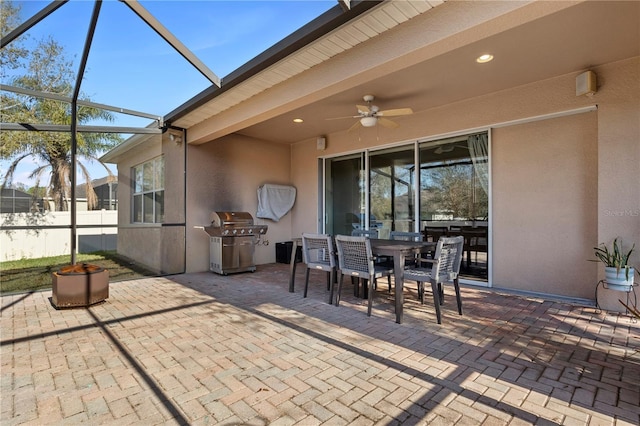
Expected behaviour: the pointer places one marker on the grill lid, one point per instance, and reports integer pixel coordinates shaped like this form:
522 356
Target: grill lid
233 224
231 219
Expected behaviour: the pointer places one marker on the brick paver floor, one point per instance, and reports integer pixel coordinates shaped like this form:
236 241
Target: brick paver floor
207 349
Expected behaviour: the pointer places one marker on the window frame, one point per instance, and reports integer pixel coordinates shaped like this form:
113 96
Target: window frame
147 192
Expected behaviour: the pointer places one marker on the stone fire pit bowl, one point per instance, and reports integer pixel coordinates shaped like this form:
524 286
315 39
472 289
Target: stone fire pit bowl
80 285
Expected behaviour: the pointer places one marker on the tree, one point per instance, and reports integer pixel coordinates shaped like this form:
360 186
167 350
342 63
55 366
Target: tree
452 189
11 55
48 70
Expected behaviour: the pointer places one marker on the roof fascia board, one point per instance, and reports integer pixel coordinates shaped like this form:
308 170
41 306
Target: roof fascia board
325 23
345 4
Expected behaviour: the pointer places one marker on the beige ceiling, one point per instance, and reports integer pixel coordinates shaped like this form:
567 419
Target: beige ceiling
569 40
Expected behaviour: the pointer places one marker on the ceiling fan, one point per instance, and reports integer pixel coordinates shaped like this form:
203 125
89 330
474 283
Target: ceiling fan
370 115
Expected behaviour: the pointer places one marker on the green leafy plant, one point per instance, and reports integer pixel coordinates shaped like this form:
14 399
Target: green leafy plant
614 257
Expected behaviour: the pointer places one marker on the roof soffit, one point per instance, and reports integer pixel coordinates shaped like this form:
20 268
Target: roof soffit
428 33
380 19
428 61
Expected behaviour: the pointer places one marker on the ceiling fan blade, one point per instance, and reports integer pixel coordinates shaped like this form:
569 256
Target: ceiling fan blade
355 126
342 118
395 112
363 109
387 123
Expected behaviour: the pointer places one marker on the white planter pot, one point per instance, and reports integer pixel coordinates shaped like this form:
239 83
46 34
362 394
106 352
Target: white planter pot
617 278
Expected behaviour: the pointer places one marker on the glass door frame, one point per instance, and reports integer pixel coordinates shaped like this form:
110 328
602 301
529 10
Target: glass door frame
322 186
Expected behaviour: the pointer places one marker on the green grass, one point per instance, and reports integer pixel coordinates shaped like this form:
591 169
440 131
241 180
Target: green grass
35 274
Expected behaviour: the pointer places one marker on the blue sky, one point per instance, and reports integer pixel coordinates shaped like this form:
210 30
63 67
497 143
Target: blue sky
130 66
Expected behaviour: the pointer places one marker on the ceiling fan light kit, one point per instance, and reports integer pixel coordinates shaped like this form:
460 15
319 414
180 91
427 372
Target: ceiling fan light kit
368 121
370 115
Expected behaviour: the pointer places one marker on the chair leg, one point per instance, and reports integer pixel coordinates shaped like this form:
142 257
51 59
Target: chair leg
389 282
329 280
441 293
370 292
421 292
356 286
436 300
456 284
306 282
339 290
330 287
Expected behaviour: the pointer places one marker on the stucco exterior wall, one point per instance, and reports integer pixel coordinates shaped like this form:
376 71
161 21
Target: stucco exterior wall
224 175
160 247
544 205
598 151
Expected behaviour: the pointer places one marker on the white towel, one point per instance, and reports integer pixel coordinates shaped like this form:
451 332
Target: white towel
274 201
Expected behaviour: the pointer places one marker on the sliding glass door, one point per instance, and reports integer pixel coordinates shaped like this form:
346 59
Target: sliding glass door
377 190
392 189
454 196
344 194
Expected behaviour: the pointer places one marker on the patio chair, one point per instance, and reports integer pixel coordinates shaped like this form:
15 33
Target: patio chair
446 267
379 260
475 240
433 234
356 260
318 254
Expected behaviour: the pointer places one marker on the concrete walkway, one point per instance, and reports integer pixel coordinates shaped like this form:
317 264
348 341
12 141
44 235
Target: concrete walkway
206 349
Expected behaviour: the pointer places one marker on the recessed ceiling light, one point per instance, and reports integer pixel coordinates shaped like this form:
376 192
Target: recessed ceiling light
484 58
298 120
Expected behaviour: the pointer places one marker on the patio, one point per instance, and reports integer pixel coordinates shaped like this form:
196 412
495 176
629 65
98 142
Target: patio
208 349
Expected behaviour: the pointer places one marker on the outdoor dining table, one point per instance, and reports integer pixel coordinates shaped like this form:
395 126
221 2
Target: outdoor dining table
397 249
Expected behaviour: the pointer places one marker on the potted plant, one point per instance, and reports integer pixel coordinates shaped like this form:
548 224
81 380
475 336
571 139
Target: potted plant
618 273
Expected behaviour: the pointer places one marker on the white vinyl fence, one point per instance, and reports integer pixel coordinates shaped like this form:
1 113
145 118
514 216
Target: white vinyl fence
35 235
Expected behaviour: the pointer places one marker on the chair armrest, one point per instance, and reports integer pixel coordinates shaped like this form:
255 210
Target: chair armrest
425 260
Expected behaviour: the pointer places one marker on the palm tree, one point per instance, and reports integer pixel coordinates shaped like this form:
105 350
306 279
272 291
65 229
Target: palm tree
49 71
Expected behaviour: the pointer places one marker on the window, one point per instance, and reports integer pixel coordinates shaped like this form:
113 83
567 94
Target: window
148 192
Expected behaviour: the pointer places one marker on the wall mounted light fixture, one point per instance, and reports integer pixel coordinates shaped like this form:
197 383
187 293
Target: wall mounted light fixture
175 138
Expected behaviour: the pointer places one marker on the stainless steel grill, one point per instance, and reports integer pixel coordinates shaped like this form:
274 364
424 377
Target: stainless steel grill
232 241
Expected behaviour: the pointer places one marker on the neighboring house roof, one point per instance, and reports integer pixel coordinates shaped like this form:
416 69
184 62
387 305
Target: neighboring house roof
17 201
81 188
10 192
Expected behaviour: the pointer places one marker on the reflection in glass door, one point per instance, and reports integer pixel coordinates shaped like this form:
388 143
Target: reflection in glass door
344 194
380 186
392 190
454 196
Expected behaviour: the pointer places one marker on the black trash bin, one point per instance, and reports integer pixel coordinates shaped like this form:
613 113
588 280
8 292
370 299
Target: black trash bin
283 252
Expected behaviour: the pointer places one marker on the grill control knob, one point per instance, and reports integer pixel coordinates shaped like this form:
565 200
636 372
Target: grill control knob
242 231
235 231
